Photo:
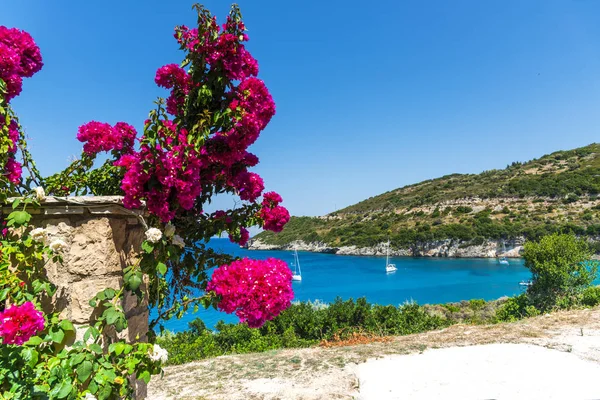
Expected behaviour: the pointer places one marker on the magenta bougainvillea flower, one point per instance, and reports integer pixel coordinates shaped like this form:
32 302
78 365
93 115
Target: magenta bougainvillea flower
274 218
255 290
19 323
100 136
20 58
273 215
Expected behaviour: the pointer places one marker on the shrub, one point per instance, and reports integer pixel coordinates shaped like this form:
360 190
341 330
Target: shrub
451 307
514 309
463 210
561 266
477 304
301 325
590 296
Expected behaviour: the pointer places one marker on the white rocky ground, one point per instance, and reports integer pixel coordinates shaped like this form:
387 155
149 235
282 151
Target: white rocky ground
493 371
555 356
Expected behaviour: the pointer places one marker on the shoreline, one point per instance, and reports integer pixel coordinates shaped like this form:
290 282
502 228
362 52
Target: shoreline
437 249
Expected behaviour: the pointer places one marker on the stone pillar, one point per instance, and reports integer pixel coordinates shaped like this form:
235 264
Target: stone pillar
102 238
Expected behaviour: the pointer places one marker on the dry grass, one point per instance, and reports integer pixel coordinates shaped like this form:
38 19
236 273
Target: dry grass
326 373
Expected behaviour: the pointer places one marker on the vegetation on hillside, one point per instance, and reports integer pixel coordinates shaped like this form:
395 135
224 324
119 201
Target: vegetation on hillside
557 193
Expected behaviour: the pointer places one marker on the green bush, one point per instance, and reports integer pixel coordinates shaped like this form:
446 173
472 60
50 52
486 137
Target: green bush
514 309
451 307
561 267
477 304
590 296
301 325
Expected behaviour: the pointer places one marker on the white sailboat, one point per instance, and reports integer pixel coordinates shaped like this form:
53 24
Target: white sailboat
503 259
389 267
297 274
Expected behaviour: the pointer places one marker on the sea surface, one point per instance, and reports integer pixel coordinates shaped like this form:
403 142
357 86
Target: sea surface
424 280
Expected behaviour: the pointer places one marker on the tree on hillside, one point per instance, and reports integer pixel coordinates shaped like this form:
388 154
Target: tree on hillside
562 267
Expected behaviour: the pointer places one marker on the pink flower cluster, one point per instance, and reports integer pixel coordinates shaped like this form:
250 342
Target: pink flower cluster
255 290
172 76
19 323
221 50
20 58
254 108
162 173
249 185
273 215
100 136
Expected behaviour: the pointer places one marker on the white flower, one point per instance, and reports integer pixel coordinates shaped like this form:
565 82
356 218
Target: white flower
39 235
178 241
153 235
158 354
169 230
57 245
40 193
89 396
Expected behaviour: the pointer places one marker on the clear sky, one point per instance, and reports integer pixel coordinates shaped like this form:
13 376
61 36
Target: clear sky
370 96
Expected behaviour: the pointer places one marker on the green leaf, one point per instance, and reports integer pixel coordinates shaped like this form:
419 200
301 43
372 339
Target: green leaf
57 336
66 325
34 341
127 348
120 324
93 387
147 247
77 359
104 392
111 316
19 217
145 376
84 370
95 347
30 356
162 268
16 203
63 390
119 347
134 282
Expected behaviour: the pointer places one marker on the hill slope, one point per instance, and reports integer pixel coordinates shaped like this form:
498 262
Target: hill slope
557 192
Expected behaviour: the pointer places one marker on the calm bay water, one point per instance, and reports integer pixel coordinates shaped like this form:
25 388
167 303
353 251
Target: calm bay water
424 280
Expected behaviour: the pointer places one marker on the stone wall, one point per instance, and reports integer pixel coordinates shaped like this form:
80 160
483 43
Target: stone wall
102 238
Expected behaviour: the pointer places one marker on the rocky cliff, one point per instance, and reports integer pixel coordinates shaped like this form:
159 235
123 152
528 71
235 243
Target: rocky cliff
440 248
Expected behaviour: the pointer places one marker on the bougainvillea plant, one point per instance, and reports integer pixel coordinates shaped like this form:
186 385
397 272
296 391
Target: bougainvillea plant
194 145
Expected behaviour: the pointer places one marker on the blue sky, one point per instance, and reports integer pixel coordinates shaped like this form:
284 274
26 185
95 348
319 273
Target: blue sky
370 96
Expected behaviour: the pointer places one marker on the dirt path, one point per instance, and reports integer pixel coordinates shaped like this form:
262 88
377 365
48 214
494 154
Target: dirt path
330 373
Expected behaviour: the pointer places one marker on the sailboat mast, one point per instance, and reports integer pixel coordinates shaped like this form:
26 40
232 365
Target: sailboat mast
298 262
387 254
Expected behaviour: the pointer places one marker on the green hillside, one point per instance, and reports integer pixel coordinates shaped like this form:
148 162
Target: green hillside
557 192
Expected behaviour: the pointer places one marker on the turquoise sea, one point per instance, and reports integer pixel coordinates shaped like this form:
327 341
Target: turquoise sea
424 280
